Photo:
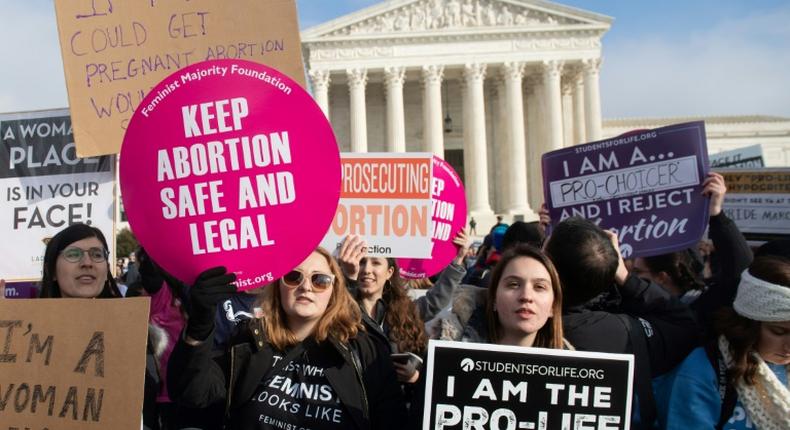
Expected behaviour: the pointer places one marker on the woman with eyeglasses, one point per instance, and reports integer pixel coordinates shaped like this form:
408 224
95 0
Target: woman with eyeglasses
75 265
304 362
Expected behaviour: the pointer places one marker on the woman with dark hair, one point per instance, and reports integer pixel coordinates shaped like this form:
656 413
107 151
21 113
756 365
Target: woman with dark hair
740 380
76 266
376 284
522 307
678 272
304 362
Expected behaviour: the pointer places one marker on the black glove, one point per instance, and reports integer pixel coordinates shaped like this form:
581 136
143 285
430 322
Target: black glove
211 287
151 276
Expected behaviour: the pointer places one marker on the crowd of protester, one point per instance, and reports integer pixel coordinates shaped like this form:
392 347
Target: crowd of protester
710 334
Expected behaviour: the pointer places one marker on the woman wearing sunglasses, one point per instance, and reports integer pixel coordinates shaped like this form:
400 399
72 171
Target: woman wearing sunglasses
304 362
75 265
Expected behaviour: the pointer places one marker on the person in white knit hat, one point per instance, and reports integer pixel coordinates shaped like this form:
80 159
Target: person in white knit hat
740 381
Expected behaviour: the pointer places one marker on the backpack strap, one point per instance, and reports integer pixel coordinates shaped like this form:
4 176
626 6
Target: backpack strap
727 393
643 383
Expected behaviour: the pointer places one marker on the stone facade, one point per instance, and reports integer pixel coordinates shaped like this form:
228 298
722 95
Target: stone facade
488 85
725 133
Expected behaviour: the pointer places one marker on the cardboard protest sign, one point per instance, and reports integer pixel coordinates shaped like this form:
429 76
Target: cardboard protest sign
73 364
115 51
474 385
45 187
746 157
448 217
229 163
758 200
386 199
647 186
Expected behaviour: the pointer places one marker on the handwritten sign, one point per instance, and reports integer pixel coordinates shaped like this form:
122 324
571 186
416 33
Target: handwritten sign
232 163
758 200
115 51
647 186
386 199
72 364
472 385
45 186
448 217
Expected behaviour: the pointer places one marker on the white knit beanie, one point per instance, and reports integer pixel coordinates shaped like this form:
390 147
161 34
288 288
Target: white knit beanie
760 300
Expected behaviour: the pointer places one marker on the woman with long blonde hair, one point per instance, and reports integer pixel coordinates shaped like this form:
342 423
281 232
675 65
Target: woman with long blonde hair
305 361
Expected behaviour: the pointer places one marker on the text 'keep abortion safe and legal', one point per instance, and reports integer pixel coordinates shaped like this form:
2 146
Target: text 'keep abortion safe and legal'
220 156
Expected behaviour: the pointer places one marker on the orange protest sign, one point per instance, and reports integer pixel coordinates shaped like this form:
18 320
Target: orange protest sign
114 52
386 199
70 364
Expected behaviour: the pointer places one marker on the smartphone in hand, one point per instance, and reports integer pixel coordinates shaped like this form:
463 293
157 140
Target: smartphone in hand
407 358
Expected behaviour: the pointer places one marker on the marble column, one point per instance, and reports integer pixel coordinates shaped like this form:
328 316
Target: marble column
501 146
592 98
320 80
553 99
433 129
475 159
535 136
567 112
579 132
517 201
357 79
396 124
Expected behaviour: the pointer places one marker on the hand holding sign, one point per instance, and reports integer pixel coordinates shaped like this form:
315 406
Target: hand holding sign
461 240
211 287
622 272
715 188
352 251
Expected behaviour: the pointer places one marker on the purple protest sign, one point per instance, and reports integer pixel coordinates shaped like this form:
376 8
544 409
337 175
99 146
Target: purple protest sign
229 163
647 186
448 203
21 290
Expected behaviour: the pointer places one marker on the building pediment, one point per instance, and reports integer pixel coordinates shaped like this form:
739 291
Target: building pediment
434 17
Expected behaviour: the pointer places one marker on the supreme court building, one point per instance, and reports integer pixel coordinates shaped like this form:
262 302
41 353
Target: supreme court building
488 85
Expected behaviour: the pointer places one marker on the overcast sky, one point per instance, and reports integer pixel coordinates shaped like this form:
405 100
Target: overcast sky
661 58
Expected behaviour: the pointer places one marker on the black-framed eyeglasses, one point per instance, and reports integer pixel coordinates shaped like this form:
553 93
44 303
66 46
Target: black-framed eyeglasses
320 281
73 254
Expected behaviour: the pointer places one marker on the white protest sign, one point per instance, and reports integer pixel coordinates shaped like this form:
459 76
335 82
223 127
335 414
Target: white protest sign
386 199
746 157
45 187
758 200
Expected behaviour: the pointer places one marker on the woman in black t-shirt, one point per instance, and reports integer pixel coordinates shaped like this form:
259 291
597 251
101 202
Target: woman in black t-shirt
305 363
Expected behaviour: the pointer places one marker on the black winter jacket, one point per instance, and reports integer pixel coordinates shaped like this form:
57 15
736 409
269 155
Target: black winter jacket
733 256
199 378
639 318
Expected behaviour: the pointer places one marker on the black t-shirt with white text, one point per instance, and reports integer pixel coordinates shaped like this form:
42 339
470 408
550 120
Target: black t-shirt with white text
297 396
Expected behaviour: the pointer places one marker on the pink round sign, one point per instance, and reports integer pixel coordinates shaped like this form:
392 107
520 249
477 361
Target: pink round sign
448 218
229 163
